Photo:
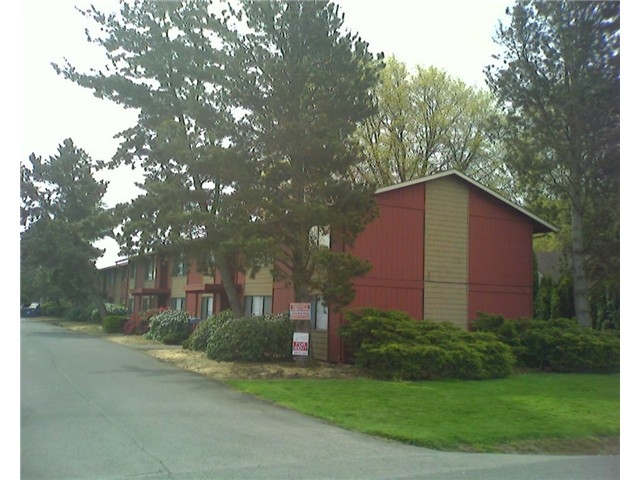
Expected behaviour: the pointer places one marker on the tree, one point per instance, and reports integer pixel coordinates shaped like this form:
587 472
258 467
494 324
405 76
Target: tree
162 61
558 80
426 122
303 83
62 215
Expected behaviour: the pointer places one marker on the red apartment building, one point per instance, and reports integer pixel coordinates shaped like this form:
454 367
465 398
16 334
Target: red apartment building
443 247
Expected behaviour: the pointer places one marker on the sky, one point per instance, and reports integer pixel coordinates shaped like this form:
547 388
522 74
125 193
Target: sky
455 36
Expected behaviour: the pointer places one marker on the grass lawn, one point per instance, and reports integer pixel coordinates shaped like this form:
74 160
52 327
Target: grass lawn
533 412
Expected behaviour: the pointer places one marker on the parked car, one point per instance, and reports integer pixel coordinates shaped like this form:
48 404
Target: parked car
30 310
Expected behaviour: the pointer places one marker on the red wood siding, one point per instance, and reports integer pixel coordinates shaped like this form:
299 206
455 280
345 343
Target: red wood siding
394 244
500 258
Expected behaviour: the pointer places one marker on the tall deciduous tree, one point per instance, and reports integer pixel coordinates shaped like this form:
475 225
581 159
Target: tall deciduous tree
303 83
62 215
558 79
426 122
163 61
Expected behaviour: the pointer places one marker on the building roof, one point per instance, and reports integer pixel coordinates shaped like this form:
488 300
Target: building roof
539 225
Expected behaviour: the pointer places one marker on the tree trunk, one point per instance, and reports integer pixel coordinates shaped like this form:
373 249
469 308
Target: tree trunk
229 286
580 280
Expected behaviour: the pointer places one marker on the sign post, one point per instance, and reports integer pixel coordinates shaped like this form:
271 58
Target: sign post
300 313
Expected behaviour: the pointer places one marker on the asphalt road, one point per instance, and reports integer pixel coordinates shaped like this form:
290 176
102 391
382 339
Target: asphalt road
92 409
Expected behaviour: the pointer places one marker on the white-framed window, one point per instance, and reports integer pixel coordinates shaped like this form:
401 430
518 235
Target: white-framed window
180 268
206 309
178 303
256 305
320 236
151 270
319 313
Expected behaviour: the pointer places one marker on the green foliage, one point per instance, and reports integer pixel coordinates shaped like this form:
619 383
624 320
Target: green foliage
554 299
252 339
391 344
113 323
80 314
304 83
605 305
558 345
55 309
62 213
333 276
199 338
169 322
427 122
557 77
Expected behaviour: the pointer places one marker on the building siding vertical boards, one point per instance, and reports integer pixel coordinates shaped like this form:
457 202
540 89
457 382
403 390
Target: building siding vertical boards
178 284
393 244
319 340
446 242
260 284
500 259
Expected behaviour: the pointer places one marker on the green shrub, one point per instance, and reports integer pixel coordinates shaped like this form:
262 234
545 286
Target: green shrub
391 344
55 309
113 323
172 339
79 314
169 322
200 336
558 345
252 339
564 346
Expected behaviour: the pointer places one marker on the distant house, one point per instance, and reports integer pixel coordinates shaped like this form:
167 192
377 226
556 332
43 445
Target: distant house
443 247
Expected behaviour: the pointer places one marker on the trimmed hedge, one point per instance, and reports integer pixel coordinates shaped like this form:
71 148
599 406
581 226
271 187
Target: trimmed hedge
169 323
392 345
199 338
559 345
113 323
252 339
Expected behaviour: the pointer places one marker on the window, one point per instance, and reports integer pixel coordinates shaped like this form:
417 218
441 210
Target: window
111 277
319 313
177 303
180 268
319 237
257 305
207 307
151 270
130 302
132 270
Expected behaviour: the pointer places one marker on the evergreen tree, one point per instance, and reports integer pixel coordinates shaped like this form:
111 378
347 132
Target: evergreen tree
558 80
303 84
62 215
163 61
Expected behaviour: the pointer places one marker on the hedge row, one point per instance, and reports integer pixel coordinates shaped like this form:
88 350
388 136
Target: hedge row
559 345
247 339
392 345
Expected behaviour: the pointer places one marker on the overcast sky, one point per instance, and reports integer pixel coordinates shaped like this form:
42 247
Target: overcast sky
453 35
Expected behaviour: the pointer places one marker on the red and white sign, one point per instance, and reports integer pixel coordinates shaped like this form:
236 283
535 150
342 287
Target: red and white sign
300 343
300 311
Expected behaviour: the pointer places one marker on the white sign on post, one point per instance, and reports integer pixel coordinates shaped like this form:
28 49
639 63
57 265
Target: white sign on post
300 343
300 311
